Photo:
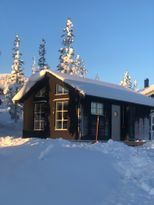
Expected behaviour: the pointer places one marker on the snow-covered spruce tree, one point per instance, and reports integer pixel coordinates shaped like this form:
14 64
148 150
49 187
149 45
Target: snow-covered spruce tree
66 58
126 82
68 63
17 79
79 68
42 51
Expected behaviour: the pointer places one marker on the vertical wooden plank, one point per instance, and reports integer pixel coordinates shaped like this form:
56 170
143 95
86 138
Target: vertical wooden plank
97 127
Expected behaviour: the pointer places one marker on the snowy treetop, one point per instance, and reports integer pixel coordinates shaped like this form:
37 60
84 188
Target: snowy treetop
89 87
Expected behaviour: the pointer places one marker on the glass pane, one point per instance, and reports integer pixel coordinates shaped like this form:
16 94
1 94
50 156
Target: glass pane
64 124
42 125
59 89
96 108
99 106
41 93
65 91
36 116
93 108
65 115
65 106
36 125
58 124
59 115
59 106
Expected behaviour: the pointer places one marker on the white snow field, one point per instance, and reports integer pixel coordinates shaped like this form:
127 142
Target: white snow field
59 172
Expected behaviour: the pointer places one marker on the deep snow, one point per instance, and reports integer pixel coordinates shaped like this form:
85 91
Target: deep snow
45 172
59 172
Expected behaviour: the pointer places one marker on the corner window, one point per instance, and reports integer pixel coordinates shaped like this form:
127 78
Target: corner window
61 90
61 117
96 108
41 93
39 116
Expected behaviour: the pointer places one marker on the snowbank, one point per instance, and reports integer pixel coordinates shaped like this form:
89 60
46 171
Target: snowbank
60 172
10 141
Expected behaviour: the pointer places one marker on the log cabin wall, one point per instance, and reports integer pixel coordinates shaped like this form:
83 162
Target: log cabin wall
104 130
28 114
81 122
129 114
72 98
29 104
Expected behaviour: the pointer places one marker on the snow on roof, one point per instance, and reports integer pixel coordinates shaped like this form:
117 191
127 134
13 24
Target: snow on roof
89 87
148 91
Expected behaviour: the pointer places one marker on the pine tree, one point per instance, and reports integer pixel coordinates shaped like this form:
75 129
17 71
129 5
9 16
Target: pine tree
126 82
34 68
17 75
42 51
17 80
66 64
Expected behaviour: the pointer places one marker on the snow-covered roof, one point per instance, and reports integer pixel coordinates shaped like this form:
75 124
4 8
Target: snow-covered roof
89 87
148 91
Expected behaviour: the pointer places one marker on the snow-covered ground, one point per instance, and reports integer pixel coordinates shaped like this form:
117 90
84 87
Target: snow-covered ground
59 172
45 172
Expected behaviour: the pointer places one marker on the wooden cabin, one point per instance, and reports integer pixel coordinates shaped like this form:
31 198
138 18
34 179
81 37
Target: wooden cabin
57 105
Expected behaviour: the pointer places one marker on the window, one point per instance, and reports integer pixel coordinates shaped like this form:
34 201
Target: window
61 118
41 92
61 90
39 116
96 108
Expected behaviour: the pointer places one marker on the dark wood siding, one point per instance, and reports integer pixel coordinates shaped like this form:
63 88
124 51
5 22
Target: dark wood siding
129 114
71 97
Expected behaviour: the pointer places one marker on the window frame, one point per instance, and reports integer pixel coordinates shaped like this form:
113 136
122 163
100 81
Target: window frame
40 93
62 119
63 92
38 114
97 108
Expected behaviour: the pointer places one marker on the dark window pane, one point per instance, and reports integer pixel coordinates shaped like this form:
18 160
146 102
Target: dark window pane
61 90
41 93
59 106
39 116
59 115
59 124
65 91
64 124
65 115
65 105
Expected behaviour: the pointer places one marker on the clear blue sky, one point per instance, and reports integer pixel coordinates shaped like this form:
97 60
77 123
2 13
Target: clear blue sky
111 36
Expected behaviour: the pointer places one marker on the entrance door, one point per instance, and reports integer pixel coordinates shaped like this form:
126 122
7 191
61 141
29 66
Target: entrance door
115 122
152 126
